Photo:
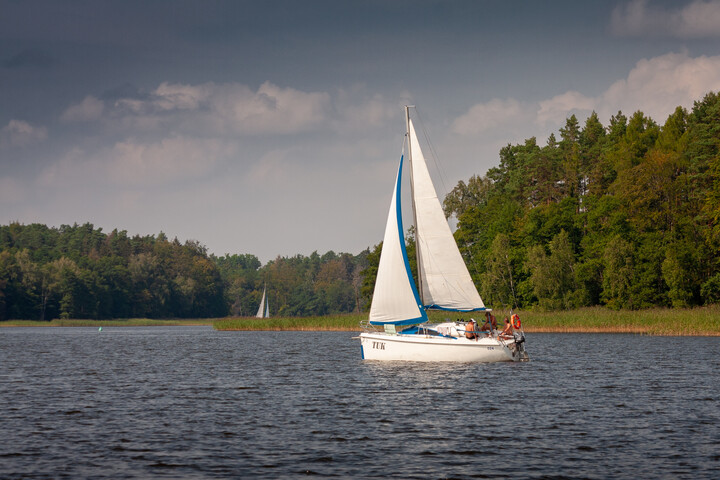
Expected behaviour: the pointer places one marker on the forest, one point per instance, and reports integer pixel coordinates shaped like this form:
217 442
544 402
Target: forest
80 272
625 216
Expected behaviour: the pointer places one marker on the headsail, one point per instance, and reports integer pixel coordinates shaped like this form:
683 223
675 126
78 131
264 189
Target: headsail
445 280
395 299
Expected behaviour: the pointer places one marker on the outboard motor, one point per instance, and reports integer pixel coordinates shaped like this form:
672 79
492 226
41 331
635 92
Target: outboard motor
519 341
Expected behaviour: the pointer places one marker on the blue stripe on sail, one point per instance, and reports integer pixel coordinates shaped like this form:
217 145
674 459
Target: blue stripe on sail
437 307
401 236
409 321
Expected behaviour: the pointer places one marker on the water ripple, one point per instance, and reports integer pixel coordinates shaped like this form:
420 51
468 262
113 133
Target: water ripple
189 402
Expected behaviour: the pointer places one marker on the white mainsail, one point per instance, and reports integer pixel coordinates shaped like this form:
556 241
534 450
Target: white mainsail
264 309
445 281
395 299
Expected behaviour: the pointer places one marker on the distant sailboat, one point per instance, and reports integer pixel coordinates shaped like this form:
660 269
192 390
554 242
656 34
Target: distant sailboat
443 280
264 309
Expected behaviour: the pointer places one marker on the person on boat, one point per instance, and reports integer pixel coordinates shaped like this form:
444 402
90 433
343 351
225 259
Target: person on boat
470 330
508 330
490 324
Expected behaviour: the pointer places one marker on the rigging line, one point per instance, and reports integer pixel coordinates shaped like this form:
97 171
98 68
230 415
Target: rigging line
433 154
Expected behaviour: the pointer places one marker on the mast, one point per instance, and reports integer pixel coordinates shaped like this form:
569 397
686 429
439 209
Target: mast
412 195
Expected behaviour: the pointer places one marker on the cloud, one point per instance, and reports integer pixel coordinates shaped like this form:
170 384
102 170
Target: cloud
88 110
131 164
658 85
558 108
18 133
229 108
639 19
165 161
355 112
489 115
654 86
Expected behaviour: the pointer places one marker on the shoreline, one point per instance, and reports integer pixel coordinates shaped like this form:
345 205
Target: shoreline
532 330
701 322
543 330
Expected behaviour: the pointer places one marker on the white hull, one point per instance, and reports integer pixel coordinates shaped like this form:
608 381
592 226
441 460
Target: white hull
427 348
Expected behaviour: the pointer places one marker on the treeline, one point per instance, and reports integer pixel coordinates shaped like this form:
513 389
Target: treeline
80 272
297 286
625 215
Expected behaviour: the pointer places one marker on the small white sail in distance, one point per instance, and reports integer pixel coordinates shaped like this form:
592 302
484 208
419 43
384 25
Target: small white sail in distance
264 309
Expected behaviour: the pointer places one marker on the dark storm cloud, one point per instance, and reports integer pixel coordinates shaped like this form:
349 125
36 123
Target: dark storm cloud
212 104
29 58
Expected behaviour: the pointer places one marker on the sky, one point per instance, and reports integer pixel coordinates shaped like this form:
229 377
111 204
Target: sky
275 127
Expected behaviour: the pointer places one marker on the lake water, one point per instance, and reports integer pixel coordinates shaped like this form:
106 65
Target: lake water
190 402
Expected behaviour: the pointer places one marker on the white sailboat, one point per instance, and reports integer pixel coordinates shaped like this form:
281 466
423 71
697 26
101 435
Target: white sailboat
444 283
264 309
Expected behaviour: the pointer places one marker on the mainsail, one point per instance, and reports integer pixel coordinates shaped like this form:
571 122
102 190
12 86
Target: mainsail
445 281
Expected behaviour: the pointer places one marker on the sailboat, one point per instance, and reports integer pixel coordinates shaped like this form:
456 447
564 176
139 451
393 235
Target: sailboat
444 283
264 309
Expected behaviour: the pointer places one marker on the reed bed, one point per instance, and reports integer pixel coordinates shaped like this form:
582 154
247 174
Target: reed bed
703 321
349 323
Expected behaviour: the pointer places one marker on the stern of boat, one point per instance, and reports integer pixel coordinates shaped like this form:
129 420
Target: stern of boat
517 348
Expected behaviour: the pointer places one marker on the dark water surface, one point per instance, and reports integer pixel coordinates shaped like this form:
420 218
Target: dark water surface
190 402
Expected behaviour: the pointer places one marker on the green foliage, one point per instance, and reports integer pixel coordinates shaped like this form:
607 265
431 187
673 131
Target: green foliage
552 276
79 272
626 216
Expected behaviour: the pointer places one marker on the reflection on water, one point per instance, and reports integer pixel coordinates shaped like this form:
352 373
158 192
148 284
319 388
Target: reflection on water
190 402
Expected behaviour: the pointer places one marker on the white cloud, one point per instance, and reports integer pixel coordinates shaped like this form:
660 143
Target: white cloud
658 85
696 19
278 110
654 86
18 133
166 161
357 113
132 164
485 116
88 110
555 110
229 108
181 97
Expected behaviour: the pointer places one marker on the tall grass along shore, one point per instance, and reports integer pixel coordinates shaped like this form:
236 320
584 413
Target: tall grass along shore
704 321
